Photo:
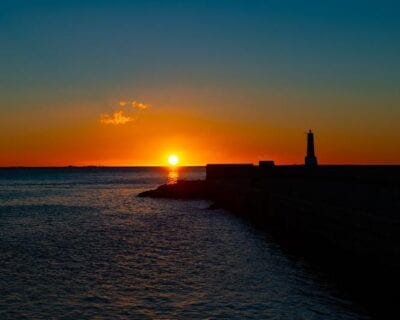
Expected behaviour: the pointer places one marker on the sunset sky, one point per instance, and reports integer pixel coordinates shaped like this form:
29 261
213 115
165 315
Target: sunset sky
94 82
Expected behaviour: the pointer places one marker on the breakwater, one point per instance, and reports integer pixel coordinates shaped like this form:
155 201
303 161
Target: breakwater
347 216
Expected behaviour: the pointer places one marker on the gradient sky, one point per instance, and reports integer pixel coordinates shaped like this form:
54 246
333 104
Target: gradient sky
129 82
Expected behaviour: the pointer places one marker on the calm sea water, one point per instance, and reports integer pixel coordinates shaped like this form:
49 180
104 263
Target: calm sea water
79 244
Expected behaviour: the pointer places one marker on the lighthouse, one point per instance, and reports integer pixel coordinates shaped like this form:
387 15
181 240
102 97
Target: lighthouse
311 159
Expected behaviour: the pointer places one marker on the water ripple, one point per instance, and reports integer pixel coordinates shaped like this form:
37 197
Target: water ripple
95 251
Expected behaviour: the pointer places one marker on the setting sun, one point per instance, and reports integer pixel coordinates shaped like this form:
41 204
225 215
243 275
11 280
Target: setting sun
173 160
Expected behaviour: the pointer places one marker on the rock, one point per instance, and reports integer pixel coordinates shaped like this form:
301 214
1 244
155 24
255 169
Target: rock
196 189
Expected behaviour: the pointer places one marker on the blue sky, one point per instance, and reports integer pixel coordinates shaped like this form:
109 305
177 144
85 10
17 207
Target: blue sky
286 42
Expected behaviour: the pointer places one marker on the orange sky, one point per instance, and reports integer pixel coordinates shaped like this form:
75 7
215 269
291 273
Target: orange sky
48 139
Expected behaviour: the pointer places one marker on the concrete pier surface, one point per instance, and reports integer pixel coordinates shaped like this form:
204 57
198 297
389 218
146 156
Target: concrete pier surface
345 217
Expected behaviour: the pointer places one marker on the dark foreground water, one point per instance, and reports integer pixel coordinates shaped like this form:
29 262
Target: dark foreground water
79 244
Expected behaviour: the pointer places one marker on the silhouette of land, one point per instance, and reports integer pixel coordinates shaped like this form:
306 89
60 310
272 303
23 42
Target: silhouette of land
344 217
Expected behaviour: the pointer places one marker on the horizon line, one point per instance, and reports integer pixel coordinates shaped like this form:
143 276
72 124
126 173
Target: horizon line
186 166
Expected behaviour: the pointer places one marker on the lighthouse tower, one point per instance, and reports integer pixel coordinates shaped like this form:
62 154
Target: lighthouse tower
311 159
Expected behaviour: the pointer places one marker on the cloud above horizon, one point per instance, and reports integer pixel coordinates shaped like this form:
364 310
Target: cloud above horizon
128 113
118 117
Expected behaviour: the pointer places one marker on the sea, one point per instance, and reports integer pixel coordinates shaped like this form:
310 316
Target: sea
77 243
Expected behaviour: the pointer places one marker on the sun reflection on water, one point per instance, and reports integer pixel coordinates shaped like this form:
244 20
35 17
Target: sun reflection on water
173 176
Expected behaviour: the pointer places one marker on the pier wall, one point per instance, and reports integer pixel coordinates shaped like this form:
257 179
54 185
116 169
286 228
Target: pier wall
355 210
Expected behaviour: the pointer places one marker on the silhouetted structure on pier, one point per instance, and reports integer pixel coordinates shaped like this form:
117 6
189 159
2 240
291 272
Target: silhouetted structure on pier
311 159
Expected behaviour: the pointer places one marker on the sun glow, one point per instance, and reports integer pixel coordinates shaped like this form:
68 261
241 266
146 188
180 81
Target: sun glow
173 160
